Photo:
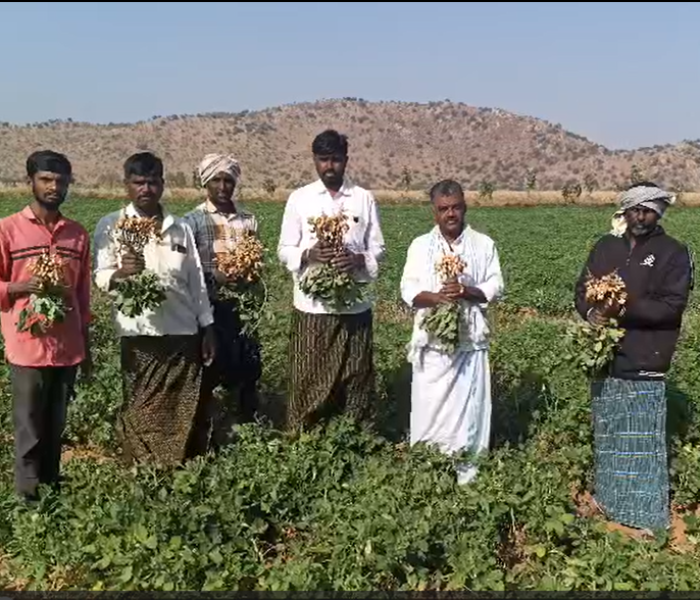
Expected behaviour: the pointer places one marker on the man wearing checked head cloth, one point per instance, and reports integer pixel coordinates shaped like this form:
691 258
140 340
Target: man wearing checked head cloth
216 223
629 396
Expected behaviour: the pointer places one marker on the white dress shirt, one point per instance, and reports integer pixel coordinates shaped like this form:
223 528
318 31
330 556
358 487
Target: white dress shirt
177 263
364 235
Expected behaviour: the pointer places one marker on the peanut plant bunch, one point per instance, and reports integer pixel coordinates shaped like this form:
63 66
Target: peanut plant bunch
243 265
243 262
607 289
134 233
135 295
139 293
330 229
592 346
47 307
325 283
450 266
445 323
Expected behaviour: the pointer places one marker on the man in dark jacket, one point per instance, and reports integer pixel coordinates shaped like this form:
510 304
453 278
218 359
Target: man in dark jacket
629 403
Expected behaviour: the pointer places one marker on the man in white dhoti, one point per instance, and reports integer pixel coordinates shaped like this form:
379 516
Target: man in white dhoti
451 386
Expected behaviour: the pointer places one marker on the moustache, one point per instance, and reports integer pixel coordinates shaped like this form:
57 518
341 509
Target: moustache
54 197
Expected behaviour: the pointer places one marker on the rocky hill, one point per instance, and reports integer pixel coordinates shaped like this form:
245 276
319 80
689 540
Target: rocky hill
394 145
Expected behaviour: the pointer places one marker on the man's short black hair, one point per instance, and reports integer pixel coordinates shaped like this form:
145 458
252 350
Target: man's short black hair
48 160
143 164
330 143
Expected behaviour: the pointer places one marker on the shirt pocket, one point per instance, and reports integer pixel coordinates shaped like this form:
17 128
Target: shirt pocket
171 258
357 226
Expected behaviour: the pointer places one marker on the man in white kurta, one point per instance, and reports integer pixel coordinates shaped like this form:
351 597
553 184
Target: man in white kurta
166 414
451 392
331 368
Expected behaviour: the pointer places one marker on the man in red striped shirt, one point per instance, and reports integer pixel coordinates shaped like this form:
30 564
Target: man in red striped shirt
43 361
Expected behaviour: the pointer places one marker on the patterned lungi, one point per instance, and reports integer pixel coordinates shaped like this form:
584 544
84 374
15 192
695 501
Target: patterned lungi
631 468
166 415
331 365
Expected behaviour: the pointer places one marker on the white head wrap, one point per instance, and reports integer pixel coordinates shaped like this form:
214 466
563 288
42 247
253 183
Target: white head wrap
212 164
654 198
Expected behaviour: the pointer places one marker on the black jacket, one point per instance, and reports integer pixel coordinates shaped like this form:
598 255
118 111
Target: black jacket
659 275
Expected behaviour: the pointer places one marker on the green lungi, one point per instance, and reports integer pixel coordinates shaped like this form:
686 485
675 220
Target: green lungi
631 467
331 364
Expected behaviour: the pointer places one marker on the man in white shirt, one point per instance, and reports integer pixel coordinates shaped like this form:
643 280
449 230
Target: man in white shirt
165 416
331 360
216 224
451 391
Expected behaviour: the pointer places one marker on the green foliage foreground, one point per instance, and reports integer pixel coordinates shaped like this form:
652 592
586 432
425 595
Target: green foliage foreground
345 509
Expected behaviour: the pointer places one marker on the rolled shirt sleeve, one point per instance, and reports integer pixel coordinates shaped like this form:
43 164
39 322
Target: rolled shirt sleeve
106 260
289 250
374 241
84 285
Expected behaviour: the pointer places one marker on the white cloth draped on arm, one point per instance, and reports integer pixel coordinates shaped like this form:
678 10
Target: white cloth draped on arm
375 248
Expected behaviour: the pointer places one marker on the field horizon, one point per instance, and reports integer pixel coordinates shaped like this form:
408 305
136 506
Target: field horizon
475 198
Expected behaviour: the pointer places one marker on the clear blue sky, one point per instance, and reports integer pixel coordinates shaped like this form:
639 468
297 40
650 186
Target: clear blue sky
621 74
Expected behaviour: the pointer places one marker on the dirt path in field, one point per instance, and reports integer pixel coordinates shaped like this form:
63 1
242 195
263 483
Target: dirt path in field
68 453
8 581
679 542
85 453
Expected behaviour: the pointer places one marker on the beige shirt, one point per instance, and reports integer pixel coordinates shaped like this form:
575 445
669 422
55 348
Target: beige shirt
364 236
176 261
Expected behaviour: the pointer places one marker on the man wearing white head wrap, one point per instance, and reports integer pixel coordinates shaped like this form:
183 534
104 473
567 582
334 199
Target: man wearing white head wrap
216 164
216 224
644 195
629 395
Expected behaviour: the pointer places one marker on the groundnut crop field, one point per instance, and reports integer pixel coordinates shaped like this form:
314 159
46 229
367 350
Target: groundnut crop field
346 509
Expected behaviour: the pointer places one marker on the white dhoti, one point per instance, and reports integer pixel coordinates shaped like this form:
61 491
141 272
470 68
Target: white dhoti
451 389
451 404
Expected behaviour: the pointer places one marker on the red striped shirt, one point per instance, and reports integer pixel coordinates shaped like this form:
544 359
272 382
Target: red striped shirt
22 239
